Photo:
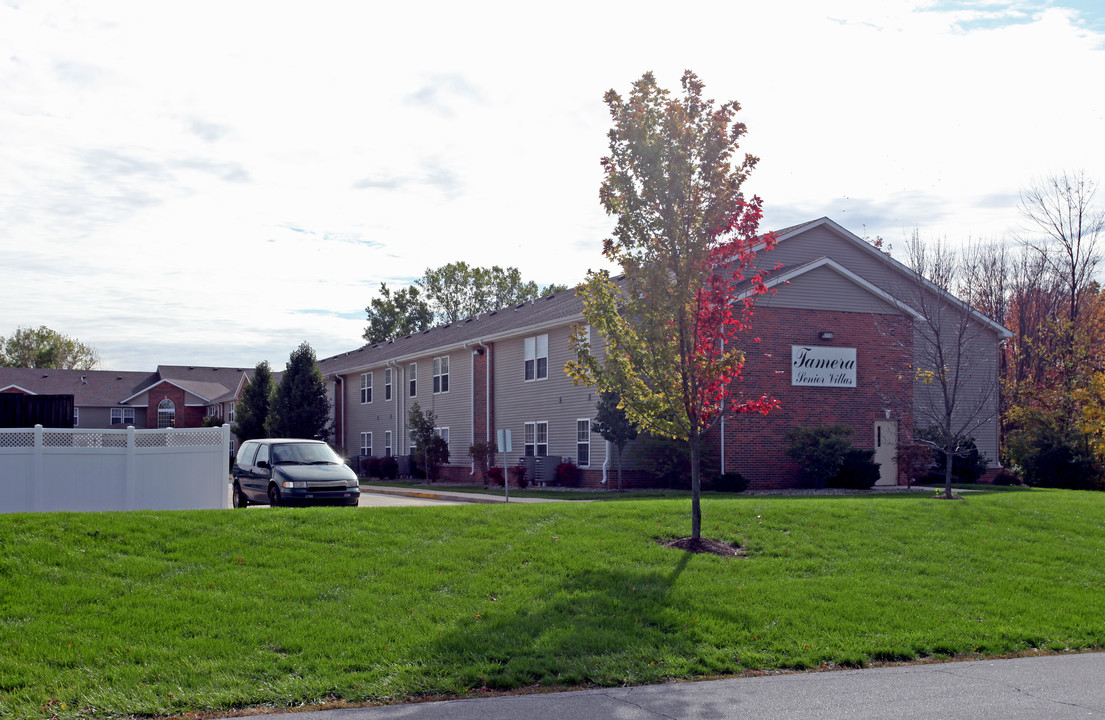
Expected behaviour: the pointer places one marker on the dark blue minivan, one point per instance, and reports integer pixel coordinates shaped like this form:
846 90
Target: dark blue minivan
280 471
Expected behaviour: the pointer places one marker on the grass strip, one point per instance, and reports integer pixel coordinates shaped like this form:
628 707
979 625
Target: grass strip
157 613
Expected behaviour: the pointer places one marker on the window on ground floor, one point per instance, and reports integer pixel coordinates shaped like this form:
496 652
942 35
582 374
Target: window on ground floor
583 443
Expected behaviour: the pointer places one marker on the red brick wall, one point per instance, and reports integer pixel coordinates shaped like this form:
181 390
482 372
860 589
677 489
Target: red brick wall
186 417
755 444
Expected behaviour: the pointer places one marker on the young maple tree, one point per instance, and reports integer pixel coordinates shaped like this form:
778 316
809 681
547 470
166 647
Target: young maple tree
684 237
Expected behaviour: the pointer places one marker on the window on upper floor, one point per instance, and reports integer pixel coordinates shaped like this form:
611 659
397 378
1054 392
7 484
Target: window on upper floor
366 388
537 357
387 384
441 374
412 375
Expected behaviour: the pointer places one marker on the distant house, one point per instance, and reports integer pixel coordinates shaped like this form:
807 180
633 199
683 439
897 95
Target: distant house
833 343
171 396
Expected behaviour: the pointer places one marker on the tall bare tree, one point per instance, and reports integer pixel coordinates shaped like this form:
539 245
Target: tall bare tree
955 362
1063 225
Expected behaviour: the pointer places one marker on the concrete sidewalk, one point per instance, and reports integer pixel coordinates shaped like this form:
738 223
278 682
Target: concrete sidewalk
1054 687
430 493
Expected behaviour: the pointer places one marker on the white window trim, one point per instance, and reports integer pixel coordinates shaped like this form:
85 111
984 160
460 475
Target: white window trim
441 374
412 374
366 384
122 413
537 425
366 443
581 442
444 433
387 384
534 350
387 443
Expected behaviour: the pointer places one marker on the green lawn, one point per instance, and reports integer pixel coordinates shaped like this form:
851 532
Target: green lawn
105 614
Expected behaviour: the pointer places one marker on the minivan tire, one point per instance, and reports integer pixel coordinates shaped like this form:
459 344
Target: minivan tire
238 499
274 496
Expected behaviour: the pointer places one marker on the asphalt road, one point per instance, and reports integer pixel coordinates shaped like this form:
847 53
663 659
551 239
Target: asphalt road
1055 687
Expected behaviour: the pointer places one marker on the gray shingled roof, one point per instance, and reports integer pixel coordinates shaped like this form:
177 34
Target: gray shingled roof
89 388
559 307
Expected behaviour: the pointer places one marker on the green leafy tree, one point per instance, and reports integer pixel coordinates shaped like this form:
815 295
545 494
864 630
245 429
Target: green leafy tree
445 295
299 407
252 410
430 449
42 347
394 315
684 236
613 425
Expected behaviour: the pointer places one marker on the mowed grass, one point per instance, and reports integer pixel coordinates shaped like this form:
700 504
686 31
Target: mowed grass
107 614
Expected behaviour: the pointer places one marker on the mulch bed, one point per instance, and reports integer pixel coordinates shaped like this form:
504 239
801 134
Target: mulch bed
704 545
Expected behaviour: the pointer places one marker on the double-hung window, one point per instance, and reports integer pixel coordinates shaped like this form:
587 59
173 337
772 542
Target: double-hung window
387 384
444 433
366 444
412 375
537 357
536 439
441 374
387 443
123 416
366 388
583 443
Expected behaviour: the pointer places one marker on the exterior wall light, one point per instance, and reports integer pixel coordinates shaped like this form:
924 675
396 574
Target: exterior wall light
826 335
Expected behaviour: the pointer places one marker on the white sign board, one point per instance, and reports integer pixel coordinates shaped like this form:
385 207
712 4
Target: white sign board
819 366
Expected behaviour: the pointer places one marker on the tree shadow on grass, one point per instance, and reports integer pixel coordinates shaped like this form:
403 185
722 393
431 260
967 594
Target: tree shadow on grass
601 627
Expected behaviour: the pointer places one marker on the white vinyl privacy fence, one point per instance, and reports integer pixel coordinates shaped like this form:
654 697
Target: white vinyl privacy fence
44 469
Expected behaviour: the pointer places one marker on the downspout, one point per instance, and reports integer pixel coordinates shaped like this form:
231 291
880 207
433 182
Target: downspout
339 380
396 442
606 464
487 385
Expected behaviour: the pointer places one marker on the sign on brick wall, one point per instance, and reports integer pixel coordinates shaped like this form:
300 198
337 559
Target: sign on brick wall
819 366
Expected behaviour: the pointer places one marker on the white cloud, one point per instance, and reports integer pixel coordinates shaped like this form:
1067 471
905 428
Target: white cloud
193 183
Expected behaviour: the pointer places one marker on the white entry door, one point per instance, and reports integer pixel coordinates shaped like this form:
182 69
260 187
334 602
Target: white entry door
886 451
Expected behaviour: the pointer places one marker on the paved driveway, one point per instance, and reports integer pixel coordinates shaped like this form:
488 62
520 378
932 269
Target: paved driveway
378 499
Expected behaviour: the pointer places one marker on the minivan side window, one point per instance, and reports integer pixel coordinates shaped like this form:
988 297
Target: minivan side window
246 453
262 455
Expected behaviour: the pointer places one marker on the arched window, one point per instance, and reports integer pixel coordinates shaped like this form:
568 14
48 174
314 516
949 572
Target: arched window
166 414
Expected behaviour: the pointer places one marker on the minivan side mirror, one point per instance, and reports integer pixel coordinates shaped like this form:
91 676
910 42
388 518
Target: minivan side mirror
264 464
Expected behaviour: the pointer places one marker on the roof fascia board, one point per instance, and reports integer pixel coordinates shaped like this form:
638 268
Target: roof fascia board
21 389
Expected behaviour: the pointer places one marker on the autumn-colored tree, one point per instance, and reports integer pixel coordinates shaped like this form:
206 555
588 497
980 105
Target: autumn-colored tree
684 236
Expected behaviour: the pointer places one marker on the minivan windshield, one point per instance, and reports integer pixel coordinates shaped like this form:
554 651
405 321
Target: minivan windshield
304 454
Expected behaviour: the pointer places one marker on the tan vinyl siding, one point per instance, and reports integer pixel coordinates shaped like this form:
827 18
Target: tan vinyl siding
453 408
825 289
554 400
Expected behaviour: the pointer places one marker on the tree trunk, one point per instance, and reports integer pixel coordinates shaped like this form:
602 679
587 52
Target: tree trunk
949 456
696 486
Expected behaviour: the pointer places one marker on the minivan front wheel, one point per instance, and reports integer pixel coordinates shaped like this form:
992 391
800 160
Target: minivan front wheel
274 496
239 500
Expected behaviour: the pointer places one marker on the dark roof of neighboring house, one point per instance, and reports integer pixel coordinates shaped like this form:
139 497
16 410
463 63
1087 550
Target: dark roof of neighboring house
553 309
89 388
108 388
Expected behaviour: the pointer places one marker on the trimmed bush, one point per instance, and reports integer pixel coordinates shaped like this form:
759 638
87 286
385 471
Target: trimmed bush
820 451
567 474
730 482
496 476
858 471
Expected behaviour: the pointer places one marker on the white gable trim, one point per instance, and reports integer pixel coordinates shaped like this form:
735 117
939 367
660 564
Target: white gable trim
826 262
16 387
187 392
1001 330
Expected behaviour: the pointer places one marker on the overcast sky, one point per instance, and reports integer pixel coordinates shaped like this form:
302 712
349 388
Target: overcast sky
213 183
